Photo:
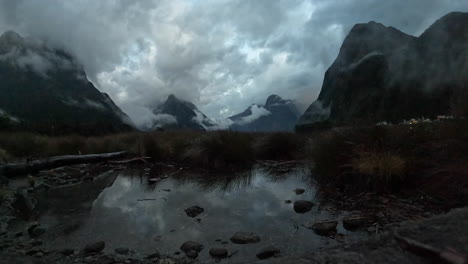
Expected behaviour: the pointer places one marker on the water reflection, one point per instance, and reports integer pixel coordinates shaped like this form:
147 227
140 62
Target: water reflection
145 216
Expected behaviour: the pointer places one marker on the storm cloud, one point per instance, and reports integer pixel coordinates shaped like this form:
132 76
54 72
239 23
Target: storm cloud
222 55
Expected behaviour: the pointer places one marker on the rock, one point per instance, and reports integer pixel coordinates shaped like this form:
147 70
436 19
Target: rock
122 251
36 243
372 229
287 201
35 230
245 238
299 191
324 228
219 252
23 204
39 254
95 247
192 254
191 246
268 252
303 206
155 255
67 251
194 211
354 222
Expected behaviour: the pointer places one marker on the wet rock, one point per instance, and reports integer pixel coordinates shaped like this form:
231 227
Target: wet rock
35 230
36 243
194 211
299 191
190 247
88 178
303 206
23 204
67 251
287 201
155 255
192 254
95 247
122 251
355 222
32 252
219 252
325 227
268 252
245 238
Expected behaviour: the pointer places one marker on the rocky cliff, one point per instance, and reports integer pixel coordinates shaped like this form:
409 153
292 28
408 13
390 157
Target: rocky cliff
382 73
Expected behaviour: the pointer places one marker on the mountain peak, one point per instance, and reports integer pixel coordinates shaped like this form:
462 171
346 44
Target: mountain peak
273 99
10 39
11 36
172 97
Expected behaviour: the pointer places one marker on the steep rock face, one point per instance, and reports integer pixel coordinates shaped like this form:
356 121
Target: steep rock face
276 115
47 90
176 114
384 74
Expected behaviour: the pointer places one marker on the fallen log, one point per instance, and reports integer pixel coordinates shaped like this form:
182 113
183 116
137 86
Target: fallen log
11 170
447 256
141 160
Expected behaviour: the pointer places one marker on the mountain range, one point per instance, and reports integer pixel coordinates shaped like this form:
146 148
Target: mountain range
46 90
382 74
276 115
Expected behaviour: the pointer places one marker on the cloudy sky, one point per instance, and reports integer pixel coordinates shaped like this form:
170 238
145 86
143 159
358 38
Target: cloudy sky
222 55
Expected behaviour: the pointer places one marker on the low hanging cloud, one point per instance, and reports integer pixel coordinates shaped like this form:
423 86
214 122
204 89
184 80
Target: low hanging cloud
222 55
255 113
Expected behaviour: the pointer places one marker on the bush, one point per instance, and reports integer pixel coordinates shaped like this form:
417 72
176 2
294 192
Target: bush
279 146
23 144
378 171
328 152
150 147
221 149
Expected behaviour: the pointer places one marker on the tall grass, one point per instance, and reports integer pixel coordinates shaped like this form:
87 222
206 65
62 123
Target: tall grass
381 158
280 146
221 149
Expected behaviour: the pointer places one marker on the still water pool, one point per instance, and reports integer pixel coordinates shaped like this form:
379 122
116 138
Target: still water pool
126 210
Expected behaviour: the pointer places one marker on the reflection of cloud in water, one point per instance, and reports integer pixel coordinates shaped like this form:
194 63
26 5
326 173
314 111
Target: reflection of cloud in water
251 202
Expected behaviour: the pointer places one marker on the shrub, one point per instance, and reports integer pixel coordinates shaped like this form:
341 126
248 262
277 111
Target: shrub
378 171
221 149
4 156
70 145
150 147
279 146
328 152
23 144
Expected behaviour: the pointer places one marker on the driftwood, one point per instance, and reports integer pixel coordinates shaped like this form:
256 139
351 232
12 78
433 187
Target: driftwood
447 256
11 170
141 160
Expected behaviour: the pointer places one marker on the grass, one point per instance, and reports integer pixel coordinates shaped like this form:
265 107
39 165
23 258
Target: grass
219 149
356 159
280 146
385 158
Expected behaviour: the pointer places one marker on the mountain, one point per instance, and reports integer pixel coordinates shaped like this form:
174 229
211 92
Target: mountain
382 73
177 114
45 89
276 115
